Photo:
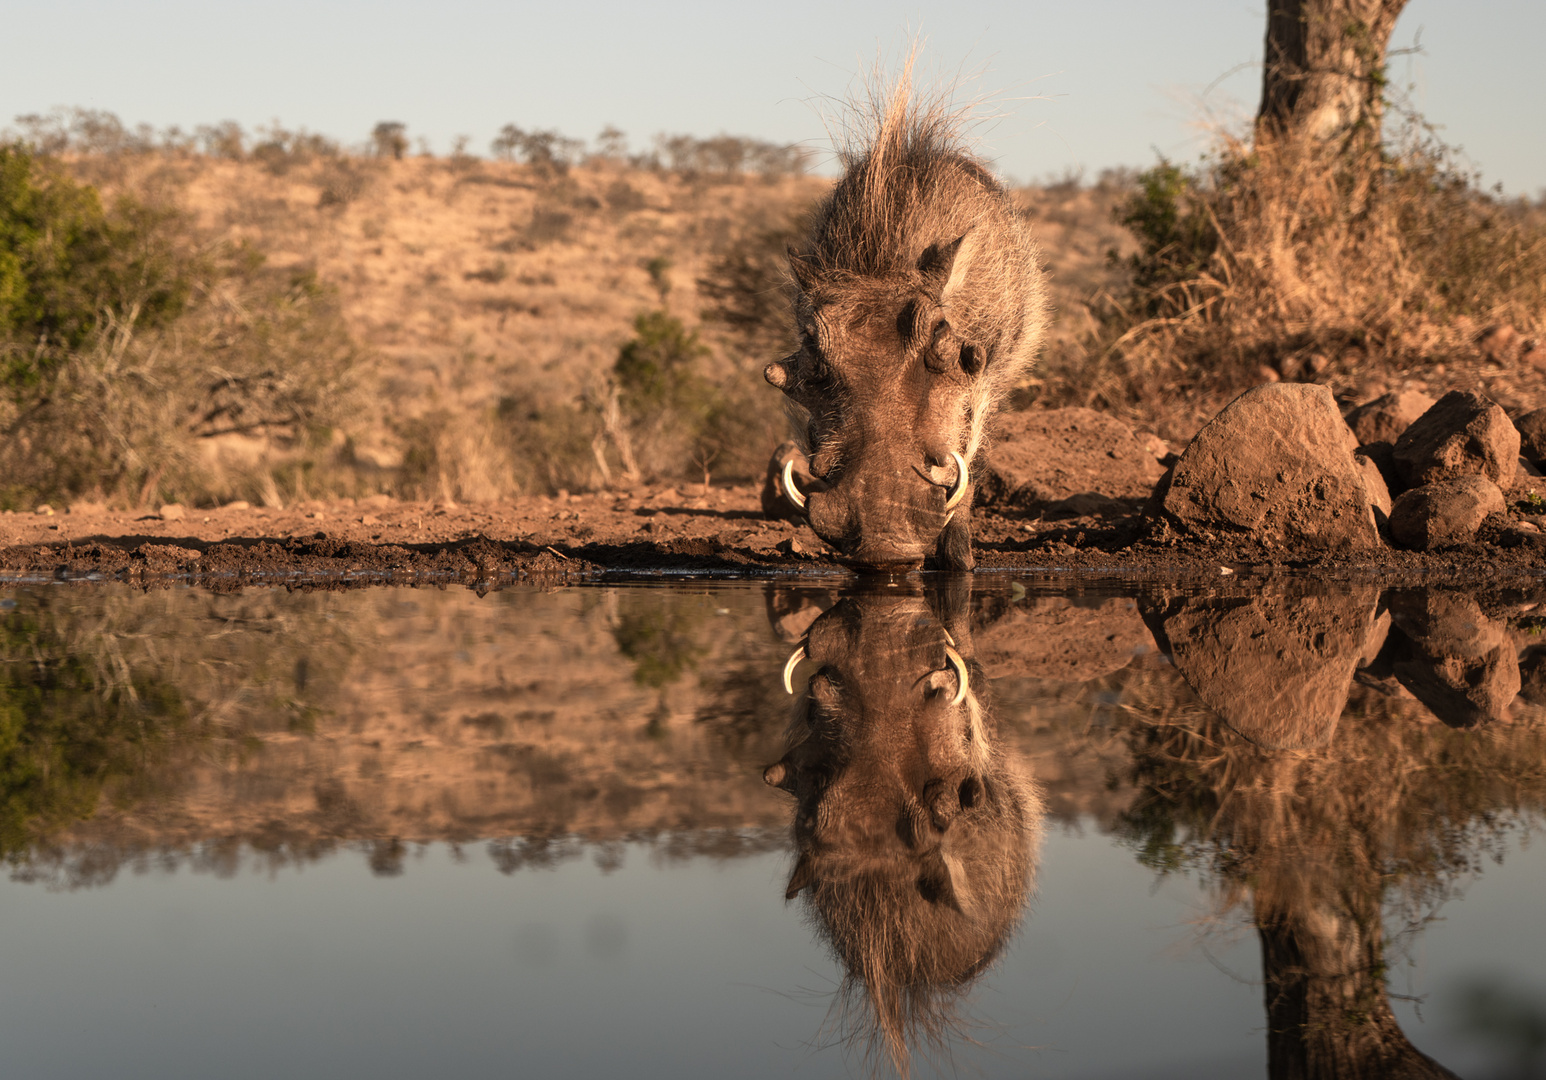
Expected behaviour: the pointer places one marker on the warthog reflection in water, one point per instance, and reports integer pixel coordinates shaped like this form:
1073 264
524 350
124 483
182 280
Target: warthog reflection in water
919 304
915 836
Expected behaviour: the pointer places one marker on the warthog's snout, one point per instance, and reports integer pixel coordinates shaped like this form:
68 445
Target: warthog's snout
886 516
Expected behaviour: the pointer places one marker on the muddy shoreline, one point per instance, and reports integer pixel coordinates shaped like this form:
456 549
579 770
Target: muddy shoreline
646 533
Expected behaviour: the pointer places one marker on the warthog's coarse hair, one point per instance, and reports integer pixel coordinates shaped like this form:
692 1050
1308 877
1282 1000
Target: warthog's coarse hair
911 182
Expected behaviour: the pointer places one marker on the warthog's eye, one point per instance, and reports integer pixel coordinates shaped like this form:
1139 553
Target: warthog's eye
907 323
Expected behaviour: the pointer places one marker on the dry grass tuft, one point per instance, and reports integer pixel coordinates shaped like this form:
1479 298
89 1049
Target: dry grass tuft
1283 261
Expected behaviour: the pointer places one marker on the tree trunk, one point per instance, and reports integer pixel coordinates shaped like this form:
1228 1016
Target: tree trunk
1328 1013
1324 72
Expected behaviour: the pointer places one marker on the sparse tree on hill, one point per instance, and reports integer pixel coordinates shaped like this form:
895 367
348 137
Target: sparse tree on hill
390 138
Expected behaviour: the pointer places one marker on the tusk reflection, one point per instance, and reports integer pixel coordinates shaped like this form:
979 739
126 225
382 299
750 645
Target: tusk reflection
789 666
963 681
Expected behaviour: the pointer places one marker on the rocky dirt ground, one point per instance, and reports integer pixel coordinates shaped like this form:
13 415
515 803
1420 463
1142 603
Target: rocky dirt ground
649 531
1281 480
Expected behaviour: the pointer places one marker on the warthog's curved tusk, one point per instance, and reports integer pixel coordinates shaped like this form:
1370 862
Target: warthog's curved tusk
789 666
958 491
791 492
962 679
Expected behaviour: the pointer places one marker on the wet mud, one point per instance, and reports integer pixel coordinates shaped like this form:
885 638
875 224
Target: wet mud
719 532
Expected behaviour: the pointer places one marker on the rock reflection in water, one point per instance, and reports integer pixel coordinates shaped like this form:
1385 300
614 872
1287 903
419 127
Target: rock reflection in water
915 835
1324 815
1276 667
1458 662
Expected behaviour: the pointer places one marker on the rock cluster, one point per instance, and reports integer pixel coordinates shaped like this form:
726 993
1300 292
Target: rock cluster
1452 465
1279 465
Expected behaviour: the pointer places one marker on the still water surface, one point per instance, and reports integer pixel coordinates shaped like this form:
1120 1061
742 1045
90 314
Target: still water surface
1034 829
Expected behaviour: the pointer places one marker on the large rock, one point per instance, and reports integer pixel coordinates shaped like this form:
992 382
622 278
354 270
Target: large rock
1464 434
1444 513
1532 436
1453 658
1044 456
1277 463
1387 416
1064 639
1276 668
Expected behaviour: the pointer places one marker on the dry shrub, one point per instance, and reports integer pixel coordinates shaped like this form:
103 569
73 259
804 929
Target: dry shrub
280 149
340 180
259 353
1287 260
657 415
128 342
525 445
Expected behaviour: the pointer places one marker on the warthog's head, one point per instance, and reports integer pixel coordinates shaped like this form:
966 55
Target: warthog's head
914 835
918 304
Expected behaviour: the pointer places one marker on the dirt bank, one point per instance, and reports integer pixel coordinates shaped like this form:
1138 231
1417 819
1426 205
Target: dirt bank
648 531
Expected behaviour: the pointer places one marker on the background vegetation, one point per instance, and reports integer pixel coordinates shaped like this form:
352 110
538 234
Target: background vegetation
220 314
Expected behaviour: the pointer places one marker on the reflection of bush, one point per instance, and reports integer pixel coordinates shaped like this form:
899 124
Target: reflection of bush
664 640
70 730
104 698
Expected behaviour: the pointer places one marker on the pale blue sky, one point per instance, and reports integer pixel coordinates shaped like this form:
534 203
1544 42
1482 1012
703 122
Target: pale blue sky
1106 82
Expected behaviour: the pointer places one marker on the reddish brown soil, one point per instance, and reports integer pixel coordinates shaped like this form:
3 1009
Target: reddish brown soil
648 531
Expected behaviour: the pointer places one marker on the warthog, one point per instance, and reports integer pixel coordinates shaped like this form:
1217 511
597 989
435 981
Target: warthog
914 835
919 303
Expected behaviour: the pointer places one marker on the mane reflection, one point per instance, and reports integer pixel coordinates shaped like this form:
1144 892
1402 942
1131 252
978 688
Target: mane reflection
915 835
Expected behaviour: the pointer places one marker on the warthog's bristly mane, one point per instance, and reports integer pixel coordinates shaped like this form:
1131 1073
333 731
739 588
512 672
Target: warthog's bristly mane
911 183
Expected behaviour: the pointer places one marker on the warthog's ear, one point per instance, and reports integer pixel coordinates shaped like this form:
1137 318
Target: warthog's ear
804 874
944 266
942 880
803 269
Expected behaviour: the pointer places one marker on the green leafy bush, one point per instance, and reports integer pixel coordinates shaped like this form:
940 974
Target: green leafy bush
66 264
1169 217
69 729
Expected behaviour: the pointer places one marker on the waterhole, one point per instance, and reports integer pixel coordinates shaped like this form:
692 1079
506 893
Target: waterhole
1007 826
